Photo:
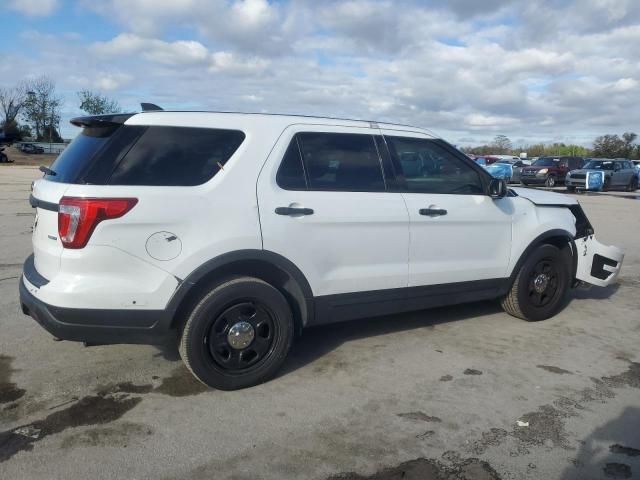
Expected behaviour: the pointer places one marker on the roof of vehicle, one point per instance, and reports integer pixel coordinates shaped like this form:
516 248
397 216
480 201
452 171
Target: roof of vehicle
199 118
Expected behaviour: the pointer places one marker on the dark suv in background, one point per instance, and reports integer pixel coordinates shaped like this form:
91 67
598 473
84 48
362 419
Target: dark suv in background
549 171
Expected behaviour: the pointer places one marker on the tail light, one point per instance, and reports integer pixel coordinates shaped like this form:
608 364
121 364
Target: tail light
78 217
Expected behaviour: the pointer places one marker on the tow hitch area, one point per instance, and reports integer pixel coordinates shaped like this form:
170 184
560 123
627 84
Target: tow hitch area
598 264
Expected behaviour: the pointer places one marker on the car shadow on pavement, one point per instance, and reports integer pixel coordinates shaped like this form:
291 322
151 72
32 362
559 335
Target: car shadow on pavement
593 293
611 451
316 342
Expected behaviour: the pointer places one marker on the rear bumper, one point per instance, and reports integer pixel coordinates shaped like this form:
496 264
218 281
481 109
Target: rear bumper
93 325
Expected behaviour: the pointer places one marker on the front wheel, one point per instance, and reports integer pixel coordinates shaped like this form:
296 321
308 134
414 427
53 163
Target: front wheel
541 286
238 334
550 182
571 189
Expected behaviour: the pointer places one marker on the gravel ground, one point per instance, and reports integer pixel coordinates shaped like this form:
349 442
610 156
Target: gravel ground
465 392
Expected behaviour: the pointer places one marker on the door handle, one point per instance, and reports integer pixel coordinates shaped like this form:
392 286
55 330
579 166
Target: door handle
294 211
432 212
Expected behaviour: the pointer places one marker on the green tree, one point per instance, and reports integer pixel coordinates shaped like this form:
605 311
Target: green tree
96 104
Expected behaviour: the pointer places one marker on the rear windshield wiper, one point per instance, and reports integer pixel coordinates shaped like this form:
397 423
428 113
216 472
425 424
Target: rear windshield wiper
47 171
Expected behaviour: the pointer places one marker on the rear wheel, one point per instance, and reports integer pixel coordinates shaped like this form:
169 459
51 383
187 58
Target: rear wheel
541 286
633 184
550 182
607 185
238 334
570 188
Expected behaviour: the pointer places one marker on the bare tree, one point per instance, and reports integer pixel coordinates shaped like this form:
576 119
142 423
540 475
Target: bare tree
12 100
42 108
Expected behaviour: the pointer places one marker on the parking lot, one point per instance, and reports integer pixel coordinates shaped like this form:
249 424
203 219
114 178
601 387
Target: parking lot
465 392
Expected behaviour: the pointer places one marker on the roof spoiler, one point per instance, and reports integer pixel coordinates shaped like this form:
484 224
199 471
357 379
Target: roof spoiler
101 120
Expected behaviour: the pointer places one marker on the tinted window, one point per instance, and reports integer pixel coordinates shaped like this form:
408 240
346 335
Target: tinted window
546 162
430 168
341 161
76 159
176 156
290 175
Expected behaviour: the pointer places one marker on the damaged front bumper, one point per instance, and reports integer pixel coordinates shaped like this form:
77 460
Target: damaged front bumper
598 264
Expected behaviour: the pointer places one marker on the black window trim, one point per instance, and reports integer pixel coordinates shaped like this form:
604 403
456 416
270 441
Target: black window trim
400 181
308 188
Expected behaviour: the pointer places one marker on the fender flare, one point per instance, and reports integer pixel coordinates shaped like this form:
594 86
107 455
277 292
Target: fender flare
540 239
278 261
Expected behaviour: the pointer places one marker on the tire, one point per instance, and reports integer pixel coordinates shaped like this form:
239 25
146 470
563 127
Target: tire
550 182
206 345
633 184
606 186
526 301
523 184
571 189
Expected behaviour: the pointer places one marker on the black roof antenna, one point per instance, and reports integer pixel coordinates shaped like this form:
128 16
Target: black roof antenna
150 107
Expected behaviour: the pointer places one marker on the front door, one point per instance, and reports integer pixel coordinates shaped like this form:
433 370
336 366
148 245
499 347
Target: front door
457 232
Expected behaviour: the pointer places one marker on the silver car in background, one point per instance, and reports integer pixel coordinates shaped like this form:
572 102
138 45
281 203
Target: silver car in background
618 174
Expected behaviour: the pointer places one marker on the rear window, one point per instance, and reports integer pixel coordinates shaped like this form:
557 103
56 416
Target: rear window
176 156
146 156
75 161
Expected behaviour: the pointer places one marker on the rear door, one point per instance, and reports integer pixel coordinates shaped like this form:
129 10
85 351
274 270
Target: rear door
457 232
324 205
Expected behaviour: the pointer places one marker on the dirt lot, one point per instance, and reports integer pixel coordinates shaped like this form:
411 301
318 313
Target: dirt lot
459 393
20 158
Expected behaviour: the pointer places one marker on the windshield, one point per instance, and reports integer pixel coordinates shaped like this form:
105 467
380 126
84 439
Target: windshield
599 165
546 162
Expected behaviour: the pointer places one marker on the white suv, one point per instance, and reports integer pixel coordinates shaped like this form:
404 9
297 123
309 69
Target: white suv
232 232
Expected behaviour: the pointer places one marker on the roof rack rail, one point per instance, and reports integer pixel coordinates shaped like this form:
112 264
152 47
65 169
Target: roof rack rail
150 107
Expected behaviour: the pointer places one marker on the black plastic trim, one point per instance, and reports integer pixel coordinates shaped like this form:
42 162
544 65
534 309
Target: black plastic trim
351 306
540 239
32 275
36 203
98 326
221 261
597 267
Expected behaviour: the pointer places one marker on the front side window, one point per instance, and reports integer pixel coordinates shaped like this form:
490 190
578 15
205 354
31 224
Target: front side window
341 161
176 156
430 168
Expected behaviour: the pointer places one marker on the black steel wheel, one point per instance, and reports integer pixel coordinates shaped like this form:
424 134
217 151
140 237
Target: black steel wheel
543 282
238 334
241 336
540 288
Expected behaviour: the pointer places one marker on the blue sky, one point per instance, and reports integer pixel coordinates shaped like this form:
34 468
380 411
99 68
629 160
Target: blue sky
467 70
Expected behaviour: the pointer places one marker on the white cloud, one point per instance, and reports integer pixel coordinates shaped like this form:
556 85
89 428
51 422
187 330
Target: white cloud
466 69
181 52
34 8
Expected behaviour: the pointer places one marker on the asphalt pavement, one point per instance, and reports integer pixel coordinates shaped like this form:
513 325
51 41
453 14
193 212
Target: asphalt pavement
465 392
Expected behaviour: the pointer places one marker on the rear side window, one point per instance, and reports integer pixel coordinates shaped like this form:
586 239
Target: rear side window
176 156
76 160
341 161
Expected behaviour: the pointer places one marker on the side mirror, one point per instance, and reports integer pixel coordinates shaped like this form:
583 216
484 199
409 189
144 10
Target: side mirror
497 188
